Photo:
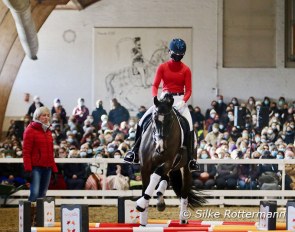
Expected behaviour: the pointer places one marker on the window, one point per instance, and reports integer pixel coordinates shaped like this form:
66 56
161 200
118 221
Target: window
249 33
290 33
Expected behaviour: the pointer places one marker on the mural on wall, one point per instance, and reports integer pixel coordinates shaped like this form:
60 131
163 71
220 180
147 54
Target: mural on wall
125 62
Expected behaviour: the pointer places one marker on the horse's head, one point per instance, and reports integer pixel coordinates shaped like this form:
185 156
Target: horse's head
162 118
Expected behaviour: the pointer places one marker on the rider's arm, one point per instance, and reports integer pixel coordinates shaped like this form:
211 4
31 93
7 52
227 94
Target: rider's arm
187 85
157 81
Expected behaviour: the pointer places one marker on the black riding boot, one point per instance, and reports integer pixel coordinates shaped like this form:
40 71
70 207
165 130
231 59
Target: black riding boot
132 155
192 165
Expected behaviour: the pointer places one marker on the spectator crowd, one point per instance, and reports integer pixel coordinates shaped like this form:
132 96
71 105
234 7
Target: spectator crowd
220 134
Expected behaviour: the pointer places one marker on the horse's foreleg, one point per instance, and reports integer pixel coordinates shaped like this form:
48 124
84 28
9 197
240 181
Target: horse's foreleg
143 202
186 185
160 194
143 217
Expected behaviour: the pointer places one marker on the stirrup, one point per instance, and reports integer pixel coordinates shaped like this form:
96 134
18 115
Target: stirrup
193 166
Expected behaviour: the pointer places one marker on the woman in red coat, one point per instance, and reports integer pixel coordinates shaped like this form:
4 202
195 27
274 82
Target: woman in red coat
38 153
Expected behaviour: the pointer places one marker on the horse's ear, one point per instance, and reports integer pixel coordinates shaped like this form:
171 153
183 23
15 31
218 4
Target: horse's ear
156 101
172 101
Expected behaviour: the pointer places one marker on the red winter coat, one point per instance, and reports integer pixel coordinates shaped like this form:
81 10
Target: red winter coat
38 148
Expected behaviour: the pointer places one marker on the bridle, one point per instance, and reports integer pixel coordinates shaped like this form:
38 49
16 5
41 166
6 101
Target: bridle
162 124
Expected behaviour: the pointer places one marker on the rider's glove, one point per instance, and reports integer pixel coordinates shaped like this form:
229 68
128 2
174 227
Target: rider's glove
180 106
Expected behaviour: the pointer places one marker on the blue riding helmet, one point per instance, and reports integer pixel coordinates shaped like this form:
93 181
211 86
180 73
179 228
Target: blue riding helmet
177 46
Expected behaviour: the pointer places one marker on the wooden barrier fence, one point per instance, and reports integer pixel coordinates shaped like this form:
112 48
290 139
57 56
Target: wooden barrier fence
109 197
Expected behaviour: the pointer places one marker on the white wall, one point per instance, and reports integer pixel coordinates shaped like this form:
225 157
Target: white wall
65 69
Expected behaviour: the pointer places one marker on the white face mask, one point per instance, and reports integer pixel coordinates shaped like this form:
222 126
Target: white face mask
83 154
19 153
215 130
212 115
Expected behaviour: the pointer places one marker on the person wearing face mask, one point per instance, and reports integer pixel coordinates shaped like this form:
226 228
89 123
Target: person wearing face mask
205 178
80 111
212 137
235 134
97 113
235 101
208 111
289 135
221 106
212 119
58 110
251 105
266 102
176 79
75 173
36 104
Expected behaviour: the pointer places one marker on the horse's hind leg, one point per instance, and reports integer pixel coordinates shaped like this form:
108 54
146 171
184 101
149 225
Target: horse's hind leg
160 194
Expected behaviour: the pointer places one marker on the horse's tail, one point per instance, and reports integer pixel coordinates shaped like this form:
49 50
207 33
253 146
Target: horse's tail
196 198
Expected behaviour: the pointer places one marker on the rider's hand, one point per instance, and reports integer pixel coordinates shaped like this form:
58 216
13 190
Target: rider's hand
180 106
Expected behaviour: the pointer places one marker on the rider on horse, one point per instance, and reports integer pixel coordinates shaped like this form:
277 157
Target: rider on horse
176 78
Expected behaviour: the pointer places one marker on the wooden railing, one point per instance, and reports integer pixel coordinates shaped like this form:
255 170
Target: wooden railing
109 197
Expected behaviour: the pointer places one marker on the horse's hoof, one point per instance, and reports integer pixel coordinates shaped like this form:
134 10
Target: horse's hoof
183 221
161 206
140 209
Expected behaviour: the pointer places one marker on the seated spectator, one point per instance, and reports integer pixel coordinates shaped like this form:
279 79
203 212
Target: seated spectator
12 173
205 178
212 136
97 113
213 107
80 112
124 128
57 181
227 176
289 134
211 120
141 112
199 132
290 177
105 124
36 104
86 151
117 176
75 173
269 175
135 176
248 174
251 105
59 112
235 101
118 113
221 106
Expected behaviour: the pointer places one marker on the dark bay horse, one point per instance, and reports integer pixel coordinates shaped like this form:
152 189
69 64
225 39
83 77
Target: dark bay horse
164 161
